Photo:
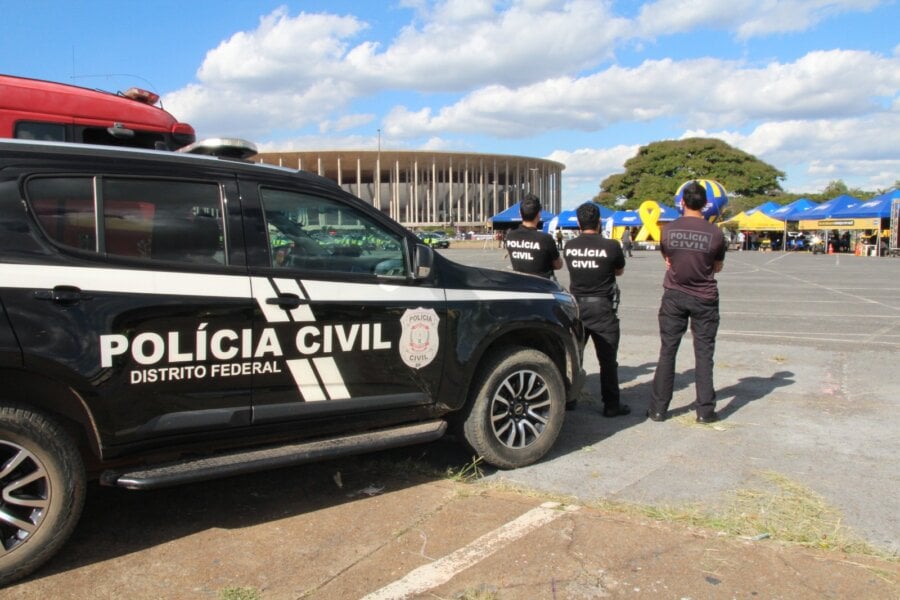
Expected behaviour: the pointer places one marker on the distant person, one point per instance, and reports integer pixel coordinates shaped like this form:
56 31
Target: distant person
594 262
694 251
559 239
530 249
626 241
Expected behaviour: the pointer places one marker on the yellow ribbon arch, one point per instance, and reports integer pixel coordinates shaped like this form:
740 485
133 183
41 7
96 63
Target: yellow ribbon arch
649 212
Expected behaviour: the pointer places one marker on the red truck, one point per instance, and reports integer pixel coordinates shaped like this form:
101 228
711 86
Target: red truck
44 110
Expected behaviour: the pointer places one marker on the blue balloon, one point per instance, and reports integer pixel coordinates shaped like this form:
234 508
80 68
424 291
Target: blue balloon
716 198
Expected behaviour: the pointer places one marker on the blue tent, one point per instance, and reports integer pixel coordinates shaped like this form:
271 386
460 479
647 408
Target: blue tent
827 210
793 211
631 218
668 213
626 218
878 207
512 215
766 208
568 219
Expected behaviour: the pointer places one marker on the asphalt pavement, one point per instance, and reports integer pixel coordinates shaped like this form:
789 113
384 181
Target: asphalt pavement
806 373
807 387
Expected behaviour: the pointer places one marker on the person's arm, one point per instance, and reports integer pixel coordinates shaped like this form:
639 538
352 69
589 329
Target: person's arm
556 260
718 265
620 272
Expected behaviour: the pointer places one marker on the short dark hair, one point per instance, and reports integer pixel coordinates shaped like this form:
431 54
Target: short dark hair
588 216
694 196
530 207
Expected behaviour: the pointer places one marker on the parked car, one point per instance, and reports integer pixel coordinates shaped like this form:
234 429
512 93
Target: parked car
434 239
169 318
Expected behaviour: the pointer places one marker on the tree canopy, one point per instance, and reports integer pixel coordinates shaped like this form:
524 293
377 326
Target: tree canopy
659 168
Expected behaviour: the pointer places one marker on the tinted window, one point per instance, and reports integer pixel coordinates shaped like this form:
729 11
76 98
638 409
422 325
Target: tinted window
312 233
173 221
50 132
64 206
137 139
163 220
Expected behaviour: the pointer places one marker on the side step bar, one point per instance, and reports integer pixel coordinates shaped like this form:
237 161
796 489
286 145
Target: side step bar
272 457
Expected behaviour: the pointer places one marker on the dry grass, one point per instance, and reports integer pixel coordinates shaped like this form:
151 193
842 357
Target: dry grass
782 510
482 592
468 473
239 593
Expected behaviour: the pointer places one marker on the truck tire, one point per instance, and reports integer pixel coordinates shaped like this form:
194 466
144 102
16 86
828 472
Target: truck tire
518 408
42 489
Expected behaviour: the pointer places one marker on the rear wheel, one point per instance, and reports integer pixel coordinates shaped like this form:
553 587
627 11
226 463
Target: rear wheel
42 489
518 408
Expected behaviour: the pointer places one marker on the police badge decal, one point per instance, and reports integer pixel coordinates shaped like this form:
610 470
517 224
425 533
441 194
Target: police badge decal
419 338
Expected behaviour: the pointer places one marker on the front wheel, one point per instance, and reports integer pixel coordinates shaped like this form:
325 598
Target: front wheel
42 489
518 409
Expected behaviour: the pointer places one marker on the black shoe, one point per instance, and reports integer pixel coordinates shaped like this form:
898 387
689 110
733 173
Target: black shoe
710 418
572 405
656 416
616 411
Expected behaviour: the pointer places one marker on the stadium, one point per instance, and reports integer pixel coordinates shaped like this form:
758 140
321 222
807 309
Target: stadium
425 188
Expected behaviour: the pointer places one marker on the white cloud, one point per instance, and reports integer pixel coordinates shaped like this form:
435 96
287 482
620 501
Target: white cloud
861 151
460 46
747 18
464 44
589 162
438 144
345 122
587 167
519 68
284 52
703 92
320 142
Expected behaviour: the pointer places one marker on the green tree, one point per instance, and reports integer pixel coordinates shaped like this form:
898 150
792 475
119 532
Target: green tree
659 168
839 188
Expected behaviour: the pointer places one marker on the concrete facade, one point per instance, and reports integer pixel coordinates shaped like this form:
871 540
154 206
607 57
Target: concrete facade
422 188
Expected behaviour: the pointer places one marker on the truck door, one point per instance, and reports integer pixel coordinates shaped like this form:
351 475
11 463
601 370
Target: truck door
356 332
135 303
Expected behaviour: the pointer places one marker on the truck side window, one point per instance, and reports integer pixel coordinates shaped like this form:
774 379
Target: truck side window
64 206
173 221
312 233
37 130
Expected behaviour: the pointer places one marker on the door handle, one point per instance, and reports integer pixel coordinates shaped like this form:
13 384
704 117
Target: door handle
287 301
62 294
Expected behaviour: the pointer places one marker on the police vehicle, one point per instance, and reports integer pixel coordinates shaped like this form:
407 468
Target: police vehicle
169 318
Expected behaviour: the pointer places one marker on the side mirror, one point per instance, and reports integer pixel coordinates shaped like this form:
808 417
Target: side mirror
423 260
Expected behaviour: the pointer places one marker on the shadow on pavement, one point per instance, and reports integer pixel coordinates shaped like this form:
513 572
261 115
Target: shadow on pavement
118 522
748 389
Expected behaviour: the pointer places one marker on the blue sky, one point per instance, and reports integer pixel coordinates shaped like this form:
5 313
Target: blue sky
810 86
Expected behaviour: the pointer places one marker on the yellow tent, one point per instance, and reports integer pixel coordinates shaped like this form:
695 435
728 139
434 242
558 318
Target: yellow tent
756 222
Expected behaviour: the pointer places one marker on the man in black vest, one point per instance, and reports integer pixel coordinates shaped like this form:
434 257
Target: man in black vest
694 251
530 249
594 262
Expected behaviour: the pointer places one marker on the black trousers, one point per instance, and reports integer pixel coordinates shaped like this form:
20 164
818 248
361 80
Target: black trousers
676 309
602 325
